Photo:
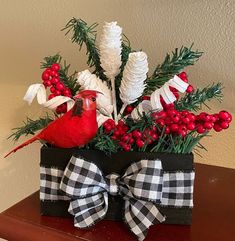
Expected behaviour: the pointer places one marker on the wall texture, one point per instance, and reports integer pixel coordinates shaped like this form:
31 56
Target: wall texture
30 30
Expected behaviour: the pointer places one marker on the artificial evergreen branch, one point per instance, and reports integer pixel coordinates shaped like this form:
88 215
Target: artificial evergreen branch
84 34
103 142
69 80
30 127
185 145
172 64
49 60
144 121
194 101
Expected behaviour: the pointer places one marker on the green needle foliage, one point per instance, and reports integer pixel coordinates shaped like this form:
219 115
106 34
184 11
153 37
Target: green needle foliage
188 144
82 34
194 101
103 142
173 64
69 80
177 144
30 127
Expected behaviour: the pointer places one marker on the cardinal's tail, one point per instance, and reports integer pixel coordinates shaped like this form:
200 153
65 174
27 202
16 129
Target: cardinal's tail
34 138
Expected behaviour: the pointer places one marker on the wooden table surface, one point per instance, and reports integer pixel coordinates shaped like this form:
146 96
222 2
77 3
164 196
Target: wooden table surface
213 217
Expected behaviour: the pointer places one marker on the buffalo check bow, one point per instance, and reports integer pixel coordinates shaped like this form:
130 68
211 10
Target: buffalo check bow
142 187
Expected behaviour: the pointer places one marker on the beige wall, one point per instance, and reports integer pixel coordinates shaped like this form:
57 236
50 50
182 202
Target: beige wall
30 30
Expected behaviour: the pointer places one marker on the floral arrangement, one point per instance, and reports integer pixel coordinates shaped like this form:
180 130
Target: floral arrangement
138 111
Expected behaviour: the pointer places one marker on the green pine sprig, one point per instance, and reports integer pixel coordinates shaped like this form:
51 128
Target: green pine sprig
144 121
194 101
30 127
103 142
173 64
83 34
68 79
177 144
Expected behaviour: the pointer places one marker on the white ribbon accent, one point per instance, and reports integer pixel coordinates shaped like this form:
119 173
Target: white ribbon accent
166 93
40 91
101 118
144 106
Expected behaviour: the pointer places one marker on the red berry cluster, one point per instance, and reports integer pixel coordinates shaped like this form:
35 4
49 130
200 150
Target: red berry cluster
218 121
51 79
180 123
126 139
128 109
171 122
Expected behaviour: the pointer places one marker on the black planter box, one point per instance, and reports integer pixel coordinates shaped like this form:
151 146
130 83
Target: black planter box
58 158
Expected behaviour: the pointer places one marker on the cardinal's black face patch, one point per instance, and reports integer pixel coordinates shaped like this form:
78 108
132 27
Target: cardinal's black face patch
77 109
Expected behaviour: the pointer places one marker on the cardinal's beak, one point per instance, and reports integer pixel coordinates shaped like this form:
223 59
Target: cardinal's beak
98 92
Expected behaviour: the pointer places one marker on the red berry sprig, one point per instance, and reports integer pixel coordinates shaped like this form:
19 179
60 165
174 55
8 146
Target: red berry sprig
128 109
175 122
128 140
218 121
51 78
181 123
171 122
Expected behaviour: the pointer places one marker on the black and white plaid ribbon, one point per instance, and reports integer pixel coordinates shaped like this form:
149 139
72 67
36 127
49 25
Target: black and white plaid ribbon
143 185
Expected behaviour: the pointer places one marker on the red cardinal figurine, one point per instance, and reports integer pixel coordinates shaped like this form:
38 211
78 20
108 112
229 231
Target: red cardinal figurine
74 129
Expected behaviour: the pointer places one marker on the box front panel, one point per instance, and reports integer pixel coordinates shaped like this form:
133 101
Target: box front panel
54 161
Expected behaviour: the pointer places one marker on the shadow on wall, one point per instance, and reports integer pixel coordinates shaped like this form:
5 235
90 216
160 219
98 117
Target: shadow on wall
19 173
19 176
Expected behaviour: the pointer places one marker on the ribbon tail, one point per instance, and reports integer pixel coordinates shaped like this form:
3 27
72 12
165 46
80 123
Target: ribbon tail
39 91
88 211
155 100
140 215
33 91
166 94
178 84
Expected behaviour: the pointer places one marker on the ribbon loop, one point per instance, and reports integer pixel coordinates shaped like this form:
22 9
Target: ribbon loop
82 178
88 211
140 215
140 186
40 91
144 180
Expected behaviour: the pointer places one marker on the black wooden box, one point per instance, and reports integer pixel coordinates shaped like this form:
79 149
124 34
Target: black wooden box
56 159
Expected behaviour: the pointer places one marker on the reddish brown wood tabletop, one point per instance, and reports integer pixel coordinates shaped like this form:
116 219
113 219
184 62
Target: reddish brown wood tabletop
213 217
